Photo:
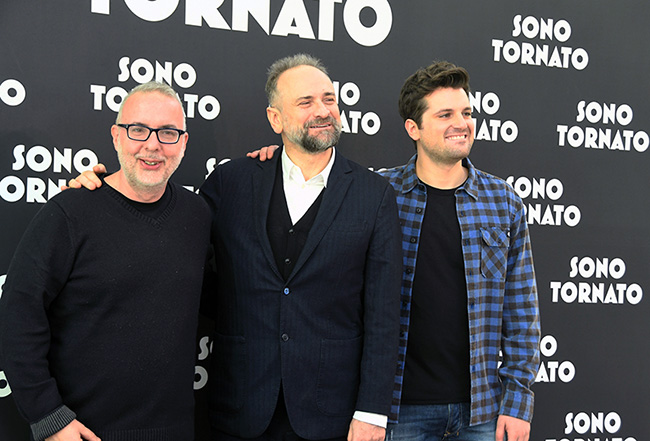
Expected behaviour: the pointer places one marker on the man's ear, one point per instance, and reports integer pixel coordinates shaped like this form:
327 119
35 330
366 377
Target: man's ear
412 129
184 138
115 132
275 119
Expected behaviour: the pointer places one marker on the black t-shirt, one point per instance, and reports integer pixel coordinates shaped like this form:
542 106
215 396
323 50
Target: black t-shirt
437 356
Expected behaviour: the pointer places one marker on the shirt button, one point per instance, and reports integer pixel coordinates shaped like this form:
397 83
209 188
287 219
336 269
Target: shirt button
285 337
418 210
413 239
286 291
287 261
408 271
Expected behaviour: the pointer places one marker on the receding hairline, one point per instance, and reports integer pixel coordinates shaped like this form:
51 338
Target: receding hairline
285 64
150 88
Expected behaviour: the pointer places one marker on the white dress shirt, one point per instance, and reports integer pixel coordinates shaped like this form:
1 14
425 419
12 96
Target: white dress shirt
301 194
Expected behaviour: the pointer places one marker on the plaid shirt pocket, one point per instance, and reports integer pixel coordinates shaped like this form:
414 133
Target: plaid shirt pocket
494 252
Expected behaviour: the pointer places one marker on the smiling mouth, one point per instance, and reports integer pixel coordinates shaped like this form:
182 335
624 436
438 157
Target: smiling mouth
150 163
320 126
457 137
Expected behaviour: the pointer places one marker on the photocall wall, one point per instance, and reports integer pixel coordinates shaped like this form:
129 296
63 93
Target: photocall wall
560 96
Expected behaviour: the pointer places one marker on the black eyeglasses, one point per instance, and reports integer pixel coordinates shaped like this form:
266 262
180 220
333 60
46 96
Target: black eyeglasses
138 132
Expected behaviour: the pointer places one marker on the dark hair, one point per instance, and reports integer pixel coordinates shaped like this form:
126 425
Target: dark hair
424 81
284 64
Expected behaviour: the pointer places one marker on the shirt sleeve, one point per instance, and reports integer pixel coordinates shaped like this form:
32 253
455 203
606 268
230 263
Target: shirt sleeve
371 418
521 324
38 270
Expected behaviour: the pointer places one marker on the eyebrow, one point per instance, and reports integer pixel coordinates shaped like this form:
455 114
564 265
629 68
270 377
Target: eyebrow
451 110
311 97
164 126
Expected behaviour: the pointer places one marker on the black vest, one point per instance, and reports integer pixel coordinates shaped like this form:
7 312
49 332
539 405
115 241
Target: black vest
287 240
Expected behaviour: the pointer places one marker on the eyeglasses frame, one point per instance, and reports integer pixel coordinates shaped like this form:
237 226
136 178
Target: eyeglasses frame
126 127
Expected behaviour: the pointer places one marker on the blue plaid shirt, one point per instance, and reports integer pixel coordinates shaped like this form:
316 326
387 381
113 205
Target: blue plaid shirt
502 304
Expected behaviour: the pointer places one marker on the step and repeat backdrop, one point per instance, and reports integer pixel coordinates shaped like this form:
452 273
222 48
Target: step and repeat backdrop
560 94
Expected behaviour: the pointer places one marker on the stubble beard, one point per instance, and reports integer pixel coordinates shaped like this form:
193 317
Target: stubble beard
146 180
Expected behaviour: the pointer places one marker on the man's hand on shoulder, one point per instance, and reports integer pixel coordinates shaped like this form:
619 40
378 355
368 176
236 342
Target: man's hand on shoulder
74 431
264 153
87 179
516 429
360 431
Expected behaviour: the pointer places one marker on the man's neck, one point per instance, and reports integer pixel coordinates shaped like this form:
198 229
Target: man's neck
310 164
119 182
441 176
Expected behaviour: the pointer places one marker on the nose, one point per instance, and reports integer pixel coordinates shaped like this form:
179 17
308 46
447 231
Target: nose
321 110
460 121
152 143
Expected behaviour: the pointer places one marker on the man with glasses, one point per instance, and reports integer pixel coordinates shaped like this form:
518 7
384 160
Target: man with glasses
99 311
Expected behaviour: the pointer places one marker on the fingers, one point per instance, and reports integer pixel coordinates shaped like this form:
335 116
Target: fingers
501 430
361 431
75 431
264 153
270 150
89 180
88 434
99 168
72 183
514 428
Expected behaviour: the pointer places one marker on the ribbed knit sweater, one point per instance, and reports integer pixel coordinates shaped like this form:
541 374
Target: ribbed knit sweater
98 315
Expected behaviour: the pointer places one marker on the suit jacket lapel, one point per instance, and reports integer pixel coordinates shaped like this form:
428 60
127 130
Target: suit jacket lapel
337 186
263 181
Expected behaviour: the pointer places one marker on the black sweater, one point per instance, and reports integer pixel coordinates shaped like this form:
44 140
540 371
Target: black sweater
98 315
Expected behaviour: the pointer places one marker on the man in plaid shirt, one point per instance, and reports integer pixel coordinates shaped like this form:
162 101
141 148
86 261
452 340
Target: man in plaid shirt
469 307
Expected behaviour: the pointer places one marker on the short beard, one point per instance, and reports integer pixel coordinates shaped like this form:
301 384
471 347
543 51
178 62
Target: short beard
314 144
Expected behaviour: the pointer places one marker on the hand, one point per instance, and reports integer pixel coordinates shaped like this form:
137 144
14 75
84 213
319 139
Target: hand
360 431
516 429
87 179
264 153
75 431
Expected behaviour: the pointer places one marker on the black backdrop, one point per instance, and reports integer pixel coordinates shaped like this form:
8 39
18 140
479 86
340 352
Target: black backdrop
560 96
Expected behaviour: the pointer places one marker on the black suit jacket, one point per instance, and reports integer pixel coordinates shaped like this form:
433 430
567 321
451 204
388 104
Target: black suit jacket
329 333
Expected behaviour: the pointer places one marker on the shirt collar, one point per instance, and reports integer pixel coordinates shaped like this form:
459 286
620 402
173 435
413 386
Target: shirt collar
410 178
291 172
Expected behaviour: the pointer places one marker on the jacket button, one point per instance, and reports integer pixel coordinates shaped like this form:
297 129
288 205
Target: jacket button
286 291
285 337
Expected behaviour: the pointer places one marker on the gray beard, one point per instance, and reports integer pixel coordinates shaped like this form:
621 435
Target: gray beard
313 144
